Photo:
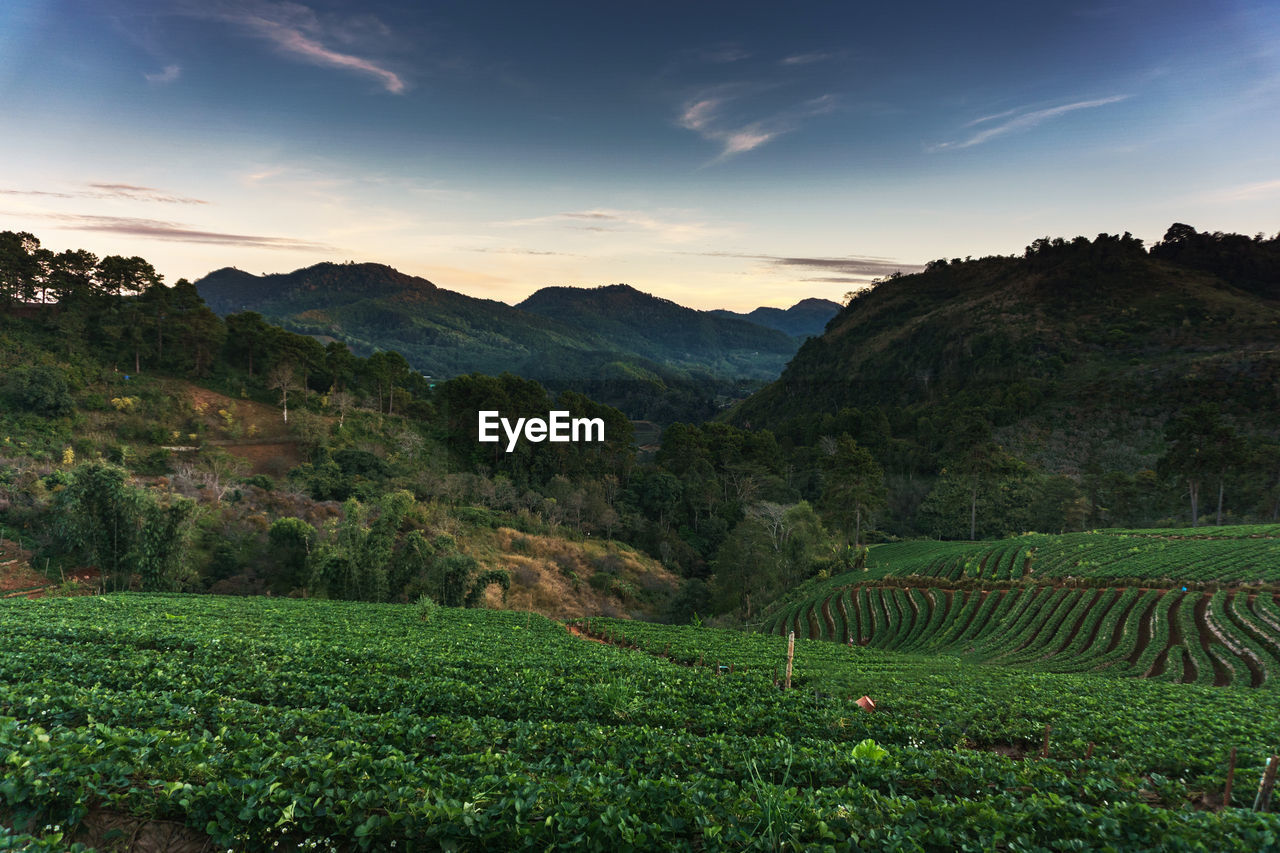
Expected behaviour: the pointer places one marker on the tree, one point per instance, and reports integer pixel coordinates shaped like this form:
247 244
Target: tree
40 389
854 487
123 529
97 515
119 275
281 379
20 271
291 541
976 460
162 543
1200 447
343 402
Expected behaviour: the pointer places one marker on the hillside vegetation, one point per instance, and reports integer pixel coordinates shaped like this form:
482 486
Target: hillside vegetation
1082 375
654 359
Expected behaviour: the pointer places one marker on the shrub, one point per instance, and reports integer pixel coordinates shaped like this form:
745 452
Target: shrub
39 389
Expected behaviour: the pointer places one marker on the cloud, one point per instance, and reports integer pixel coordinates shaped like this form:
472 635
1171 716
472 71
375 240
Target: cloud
857 268
1261 189
706 117
168 75
806 58
132 192
514 251
177 232
606 220
297 31
1026 121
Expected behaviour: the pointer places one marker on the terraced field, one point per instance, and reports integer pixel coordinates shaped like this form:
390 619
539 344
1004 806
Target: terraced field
1190 606
1237 554
1219 638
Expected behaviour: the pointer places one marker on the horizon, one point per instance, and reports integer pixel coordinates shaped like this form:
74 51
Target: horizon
720 157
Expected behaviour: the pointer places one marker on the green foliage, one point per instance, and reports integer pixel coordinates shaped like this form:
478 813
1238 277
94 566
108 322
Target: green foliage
39 389
123 529
455 572
427 607
251 720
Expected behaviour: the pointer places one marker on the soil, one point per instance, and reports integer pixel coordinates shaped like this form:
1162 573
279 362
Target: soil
107 830
827 618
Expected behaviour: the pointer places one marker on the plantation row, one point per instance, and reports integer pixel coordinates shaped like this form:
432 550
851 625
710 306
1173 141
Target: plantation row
1216 638
1243 554
313 724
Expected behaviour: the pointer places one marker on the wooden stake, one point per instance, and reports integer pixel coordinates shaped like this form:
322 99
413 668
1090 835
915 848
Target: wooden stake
1231 776
1044 749
1262 802
791 653
1088 753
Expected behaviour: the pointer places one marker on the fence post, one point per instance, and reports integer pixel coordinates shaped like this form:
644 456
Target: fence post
791 653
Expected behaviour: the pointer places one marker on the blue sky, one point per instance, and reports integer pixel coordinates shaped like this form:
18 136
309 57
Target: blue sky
719 154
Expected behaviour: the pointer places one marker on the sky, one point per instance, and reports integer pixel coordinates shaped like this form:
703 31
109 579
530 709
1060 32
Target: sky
723 155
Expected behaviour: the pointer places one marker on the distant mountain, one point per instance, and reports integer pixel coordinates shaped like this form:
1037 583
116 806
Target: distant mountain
440 332
649 356
665 332
805 319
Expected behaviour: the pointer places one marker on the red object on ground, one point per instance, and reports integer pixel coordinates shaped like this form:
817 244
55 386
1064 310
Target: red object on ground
866 703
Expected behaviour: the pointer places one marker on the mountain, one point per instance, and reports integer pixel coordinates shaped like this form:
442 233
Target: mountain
650 357
1078 354
805 319
440 332
665 332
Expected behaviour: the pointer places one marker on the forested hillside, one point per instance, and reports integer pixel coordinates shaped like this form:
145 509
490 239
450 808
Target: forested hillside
648 356
1090 379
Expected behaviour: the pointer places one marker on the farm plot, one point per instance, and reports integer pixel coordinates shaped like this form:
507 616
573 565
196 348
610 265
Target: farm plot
271 724
1217 638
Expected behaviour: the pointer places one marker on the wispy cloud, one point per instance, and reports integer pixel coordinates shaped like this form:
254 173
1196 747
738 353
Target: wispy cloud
177 232
607 220
806 58
853 269
131 192
1247 192
168 75
1022 122
515 251
706 116
297 31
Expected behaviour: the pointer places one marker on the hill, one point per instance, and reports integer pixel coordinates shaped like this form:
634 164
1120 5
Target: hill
663 331
1075 359
649 357
441 332
806 318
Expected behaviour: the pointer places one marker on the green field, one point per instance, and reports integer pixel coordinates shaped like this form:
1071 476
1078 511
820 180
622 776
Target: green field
340 726
1235 554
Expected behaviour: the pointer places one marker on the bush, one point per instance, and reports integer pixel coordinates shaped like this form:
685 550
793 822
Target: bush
41 390
426 607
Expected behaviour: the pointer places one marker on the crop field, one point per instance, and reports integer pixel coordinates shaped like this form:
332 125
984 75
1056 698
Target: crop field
1220 638
261 724
1236 554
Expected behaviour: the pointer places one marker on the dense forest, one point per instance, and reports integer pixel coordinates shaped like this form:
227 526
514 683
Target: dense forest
1083 384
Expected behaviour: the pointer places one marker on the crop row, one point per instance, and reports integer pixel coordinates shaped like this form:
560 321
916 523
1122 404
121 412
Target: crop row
1231 555
1221 638
344 726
